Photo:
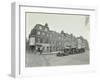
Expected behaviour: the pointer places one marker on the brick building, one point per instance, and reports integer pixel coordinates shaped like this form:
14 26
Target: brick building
50 40
82 43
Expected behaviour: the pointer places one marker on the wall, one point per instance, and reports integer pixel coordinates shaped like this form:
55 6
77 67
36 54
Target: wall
5 41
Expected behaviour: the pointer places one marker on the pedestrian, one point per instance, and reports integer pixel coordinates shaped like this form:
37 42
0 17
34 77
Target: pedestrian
41 50
36 50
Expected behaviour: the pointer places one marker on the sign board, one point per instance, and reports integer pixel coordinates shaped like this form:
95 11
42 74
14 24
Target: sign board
32 41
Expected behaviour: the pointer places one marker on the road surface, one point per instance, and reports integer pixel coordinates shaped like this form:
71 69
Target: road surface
33 60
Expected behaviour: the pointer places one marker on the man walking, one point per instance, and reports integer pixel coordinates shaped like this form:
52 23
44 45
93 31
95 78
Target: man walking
41 49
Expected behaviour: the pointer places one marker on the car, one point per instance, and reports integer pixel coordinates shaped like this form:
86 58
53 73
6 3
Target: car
61 53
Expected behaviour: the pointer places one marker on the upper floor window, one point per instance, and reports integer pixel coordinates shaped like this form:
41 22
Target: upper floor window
43 41
47 35
43 33
46 29
40 27
50 35
62 38
38 40
38 33
59 37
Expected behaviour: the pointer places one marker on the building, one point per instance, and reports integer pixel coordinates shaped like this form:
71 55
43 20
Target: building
82 43
74 42
39 36
50 40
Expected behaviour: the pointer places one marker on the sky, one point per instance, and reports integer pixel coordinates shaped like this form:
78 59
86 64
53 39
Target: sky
78 25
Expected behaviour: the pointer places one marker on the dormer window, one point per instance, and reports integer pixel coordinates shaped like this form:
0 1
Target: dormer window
40 27
46 29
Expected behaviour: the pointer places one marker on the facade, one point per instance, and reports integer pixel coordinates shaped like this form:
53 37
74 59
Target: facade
50 40
40 35
74 42
82 43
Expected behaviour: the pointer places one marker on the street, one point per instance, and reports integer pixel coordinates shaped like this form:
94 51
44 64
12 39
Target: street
33 60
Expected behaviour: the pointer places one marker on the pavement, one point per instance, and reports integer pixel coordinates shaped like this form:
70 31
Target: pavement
37 60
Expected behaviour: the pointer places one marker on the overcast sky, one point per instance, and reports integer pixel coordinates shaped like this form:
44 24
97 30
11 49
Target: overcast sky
78 25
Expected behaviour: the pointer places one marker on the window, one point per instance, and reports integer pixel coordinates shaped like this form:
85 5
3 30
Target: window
38 40
59 43
46 29
40 27
50 35
47 41
59 37
43 33
38 33
32 41
41 41
47 35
